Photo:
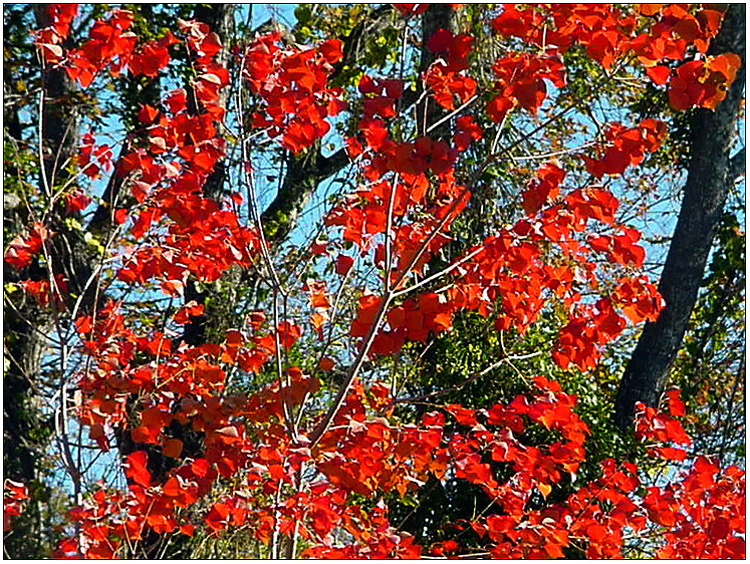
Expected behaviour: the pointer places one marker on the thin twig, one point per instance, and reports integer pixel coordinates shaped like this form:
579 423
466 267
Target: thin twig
469 380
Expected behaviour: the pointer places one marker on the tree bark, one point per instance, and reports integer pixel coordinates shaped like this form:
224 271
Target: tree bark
437 16
711 172
220 18
27 432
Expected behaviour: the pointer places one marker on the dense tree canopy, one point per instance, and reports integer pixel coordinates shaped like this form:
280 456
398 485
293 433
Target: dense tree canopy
371 281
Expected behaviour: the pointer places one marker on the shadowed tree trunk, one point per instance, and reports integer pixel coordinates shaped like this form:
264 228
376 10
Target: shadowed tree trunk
437 16
220 18
711 173
27 432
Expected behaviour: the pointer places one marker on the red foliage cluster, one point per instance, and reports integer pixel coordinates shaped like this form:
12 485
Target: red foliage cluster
364 214
40 290
143 382
544 187
201 238
22 249
102 157
609 35
292 86
509 269
14 495
447 77
626 147
704 513
520 82
50 39
364 453
703 83
110 44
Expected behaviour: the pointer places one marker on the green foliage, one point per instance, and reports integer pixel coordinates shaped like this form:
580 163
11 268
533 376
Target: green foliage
376 49
710 368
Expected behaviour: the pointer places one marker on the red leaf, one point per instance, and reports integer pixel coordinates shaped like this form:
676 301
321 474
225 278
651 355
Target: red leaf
216 518
176 100
703 465
408 10
343 264
172 448
172 487
719 529
288 334
331 50
83 324
147 114
735 548
676 407
228 435
120 216
471 468
200 467
16 490
669 453
659 74
650 9
135 468
463 415
597 532
145 434
173 288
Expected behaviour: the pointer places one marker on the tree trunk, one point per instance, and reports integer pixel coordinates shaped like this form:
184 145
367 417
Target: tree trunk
220 18
27 433
437 16
711 173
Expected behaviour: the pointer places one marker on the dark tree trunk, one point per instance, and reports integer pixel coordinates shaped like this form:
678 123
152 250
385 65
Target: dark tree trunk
437 16
220 18
302 176
711 173
26 431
